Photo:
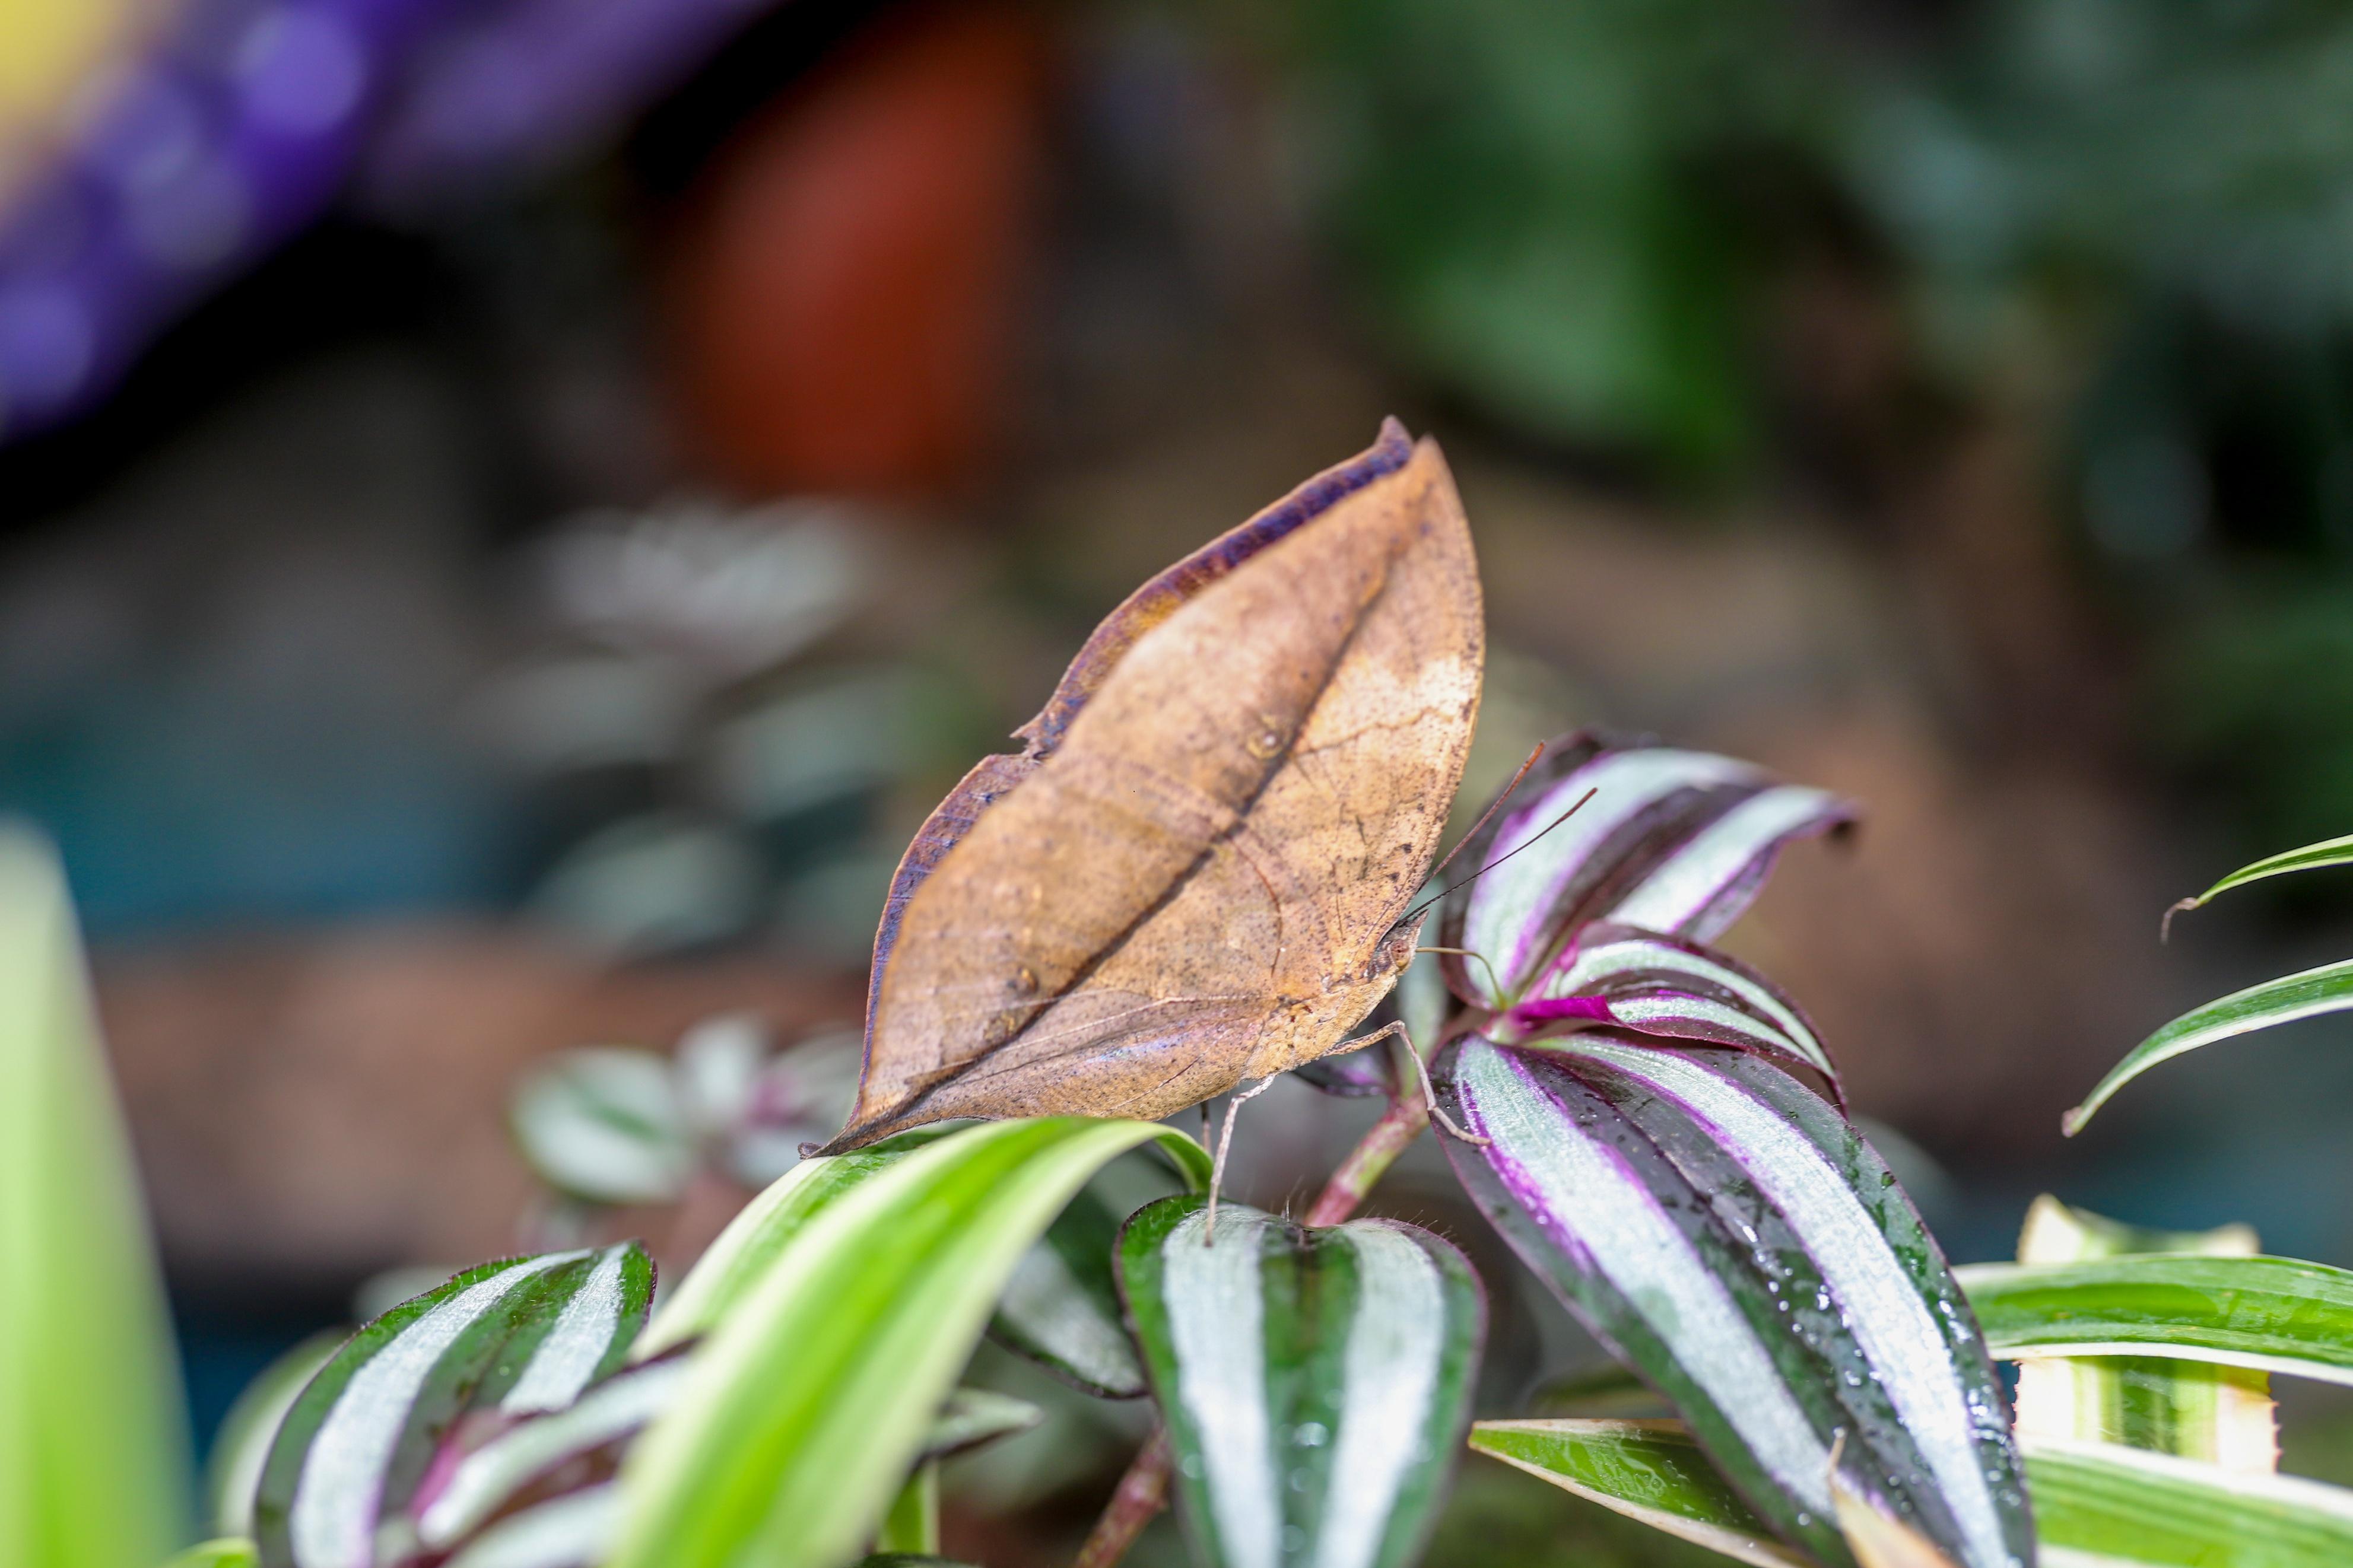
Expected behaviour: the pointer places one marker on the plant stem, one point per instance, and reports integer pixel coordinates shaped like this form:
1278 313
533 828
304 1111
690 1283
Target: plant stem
1143 1491
1141 1494
1408 1114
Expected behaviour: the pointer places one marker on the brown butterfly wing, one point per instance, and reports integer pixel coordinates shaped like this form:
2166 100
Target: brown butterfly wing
1184 880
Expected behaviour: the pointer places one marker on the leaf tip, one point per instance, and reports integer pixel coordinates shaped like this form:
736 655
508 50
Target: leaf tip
2165 923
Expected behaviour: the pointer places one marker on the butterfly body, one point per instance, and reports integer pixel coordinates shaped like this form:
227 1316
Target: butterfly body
1195 873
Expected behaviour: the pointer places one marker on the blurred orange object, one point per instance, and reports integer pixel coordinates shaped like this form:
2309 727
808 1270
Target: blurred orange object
842 290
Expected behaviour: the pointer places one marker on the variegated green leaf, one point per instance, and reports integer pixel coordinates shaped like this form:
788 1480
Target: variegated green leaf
1649 1470
2198 1409
242 1443
93 1447
2271 1313
2101 1503
516 1339
1062 1307
1312 1383
1670 841
811 1397
2096 1505
975 1416
746 1251
2328 989
2310 858
226 1552
1740 1245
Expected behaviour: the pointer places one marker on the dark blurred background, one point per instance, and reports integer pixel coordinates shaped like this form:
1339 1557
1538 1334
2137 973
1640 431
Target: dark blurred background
511 509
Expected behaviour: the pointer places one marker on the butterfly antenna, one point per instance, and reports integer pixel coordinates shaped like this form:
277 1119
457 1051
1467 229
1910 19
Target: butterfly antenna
1499 859
1225 1147
1493 807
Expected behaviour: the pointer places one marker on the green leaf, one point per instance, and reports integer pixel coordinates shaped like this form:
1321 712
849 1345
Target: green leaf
2328 989
746 1251
510 1339
2098 1502
2197 1409
1061 1308
1313 1383
975 1416
604 1123
2311 858
812 1396
2128 1505
94 1467
227 1552
566 1532
2272 1313
1649 1470
242 1445
912 1523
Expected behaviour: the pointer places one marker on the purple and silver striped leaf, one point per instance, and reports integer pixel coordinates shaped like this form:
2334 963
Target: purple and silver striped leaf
1671 841
1733 1241
1314 1384
1647 983
504 1341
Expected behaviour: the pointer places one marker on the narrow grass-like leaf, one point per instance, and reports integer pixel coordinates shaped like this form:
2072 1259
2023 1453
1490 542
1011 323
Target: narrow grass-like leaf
2197 1409
1736 1242
241 1446
2094 1503
2101 1502
1649 1470
2310 858
2271 1313
743 1254
1671 841
225 1552
1061 1308
1313 1383
94 1468
1666 986
815 1390
514 1339
2328 989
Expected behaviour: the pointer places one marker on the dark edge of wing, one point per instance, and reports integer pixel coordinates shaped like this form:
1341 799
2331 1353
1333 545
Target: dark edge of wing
995 776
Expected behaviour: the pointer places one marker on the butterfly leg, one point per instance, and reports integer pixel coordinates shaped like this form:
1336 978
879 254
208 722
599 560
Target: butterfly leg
1428 1091
1225 1145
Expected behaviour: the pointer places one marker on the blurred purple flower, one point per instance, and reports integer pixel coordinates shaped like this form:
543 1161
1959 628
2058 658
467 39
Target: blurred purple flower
247 119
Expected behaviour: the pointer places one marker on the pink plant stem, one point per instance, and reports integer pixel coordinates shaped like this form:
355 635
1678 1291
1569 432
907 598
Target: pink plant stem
1141 1494
1408 1114
1143 1491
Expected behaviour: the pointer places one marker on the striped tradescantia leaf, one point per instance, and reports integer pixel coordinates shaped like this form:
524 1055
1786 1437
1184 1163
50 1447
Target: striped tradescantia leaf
507 1339
1061 1308
2310 858
812 1397
2271 1313
1675 989
1735 1241
1313 1383
1671 841
2097 1505
242 1445
1649 1470
2328 989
